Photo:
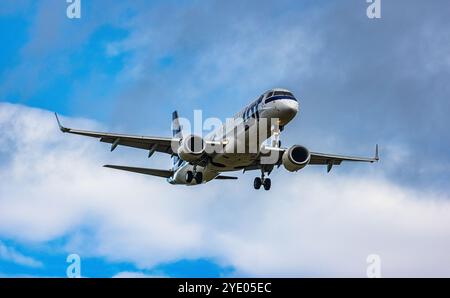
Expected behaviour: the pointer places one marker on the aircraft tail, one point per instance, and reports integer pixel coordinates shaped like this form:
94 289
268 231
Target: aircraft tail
177 133
176 127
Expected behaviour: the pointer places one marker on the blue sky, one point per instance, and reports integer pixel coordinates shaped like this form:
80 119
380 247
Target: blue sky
126 66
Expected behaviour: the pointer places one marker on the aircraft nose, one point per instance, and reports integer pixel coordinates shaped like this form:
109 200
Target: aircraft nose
288 108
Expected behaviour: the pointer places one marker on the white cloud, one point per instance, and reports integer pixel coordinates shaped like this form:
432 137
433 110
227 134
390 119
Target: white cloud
53 185
10 254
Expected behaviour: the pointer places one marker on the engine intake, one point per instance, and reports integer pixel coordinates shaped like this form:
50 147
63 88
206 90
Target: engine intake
296 158
192 148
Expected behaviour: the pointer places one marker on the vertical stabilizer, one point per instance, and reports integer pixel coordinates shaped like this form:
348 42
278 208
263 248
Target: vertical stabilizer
177 133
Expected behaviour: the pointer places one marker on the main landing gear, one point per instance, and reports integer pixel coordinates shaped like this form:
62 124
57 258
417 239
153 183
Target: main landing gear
198 176
265 182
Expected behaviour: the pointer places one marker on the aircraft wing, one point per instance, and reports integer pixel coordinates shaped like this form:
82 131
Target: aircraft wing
317 158
325 159
332 159
153 144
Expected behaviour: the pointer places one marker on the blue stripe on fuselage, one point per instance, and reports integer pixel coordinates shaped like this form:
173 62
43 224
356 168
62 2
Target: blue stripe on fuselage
279 97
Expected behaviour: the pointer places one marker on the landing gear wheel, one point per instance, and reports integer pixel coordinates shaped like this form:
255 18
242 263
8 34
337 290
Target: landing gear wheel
199 177
189 176
267 183
257 183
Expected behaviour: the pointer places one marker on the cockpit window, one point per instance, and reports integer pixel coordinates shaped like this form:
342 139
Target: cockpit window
283 93
272 96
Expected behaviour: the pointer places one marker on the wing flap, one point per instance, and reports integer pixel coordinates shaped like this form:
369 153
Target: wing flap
163 146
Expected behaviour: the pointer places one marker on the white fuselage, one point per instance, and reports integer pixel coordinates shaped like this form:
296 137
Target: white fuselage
254 120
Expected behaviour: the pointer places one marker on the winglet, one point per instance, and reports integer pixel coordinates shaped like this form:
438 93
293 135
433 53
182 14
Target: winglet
377 157
62 128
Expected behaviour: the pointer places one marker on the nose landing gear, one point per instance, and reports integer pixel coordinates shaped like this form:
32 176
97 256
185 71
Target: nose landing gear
190 176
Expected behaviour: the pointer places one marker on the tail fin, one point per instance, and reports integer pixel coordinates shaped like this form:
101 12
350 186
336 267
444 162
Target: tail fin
176 127
177 133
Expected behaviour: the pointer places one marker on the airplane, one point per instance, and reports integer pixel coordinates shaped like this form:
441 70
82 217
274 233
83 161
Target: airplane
194 164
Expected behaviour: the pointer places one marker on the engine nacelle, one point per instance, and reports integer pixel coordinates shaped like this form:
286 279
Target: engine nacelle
296 158
191 148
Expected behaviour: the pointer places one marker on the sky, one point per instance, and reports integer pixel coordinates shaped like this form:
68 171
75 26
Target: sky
125 66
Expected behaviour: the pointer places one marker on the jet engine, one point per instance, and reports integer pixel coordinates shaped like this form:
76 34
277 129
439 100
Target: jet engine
191 148
296 158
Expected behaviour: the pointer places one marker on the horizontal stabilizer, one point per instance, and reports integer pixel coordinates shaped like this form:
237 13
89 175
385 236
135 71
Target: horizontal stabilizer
145 171
221 177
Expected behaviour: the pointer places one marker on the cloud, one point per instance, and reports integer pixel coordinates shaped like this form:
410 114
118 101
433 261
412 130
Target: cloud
310 224
329 225
359 81
11 255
